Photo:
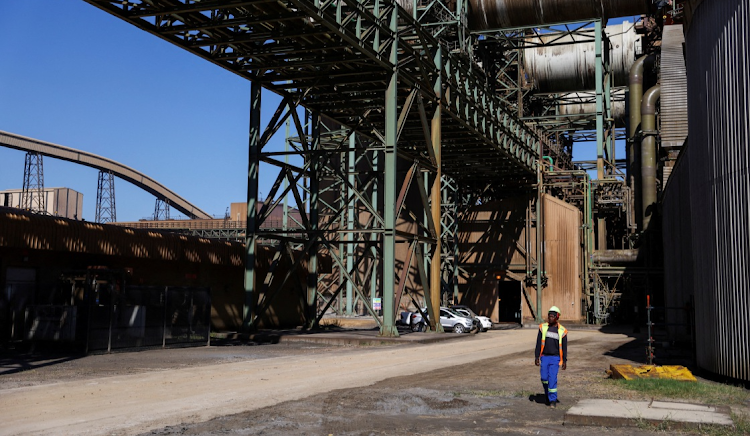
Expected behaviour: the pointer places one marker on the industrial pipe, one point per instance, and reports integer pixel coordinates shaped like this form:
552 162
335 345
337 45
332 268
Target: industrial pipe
563 62
615 256
633 150
648 153
498 14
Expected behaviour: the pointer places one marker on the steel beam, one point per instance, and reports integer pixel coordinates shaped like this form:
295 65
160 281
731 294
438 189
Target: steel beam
251 295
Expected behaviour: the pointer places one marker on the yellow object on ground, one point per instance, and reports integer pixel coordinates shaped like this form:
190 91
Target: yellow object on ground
630 372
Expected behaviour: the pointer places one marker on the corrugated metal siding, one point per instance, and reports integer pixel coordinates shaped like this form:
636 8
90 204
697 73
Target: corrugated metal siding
562 223
674 116
19 229
678 248
719 82
489 239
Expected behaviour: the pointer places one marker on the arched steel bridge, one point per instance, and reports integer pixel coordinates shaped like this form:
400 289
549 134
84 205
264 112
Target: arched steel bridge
80 157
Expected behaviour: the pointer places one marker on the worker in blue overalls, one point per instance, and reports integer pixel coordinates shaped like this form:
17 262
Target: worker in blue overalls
551 355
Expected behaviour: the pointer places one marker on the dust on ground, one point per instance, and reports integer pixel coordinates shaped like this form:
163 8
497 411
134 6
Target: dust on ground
490 397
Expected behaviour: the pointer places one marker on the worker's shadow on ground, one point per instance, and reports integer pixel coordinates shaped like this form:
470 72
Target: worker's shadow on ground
538 398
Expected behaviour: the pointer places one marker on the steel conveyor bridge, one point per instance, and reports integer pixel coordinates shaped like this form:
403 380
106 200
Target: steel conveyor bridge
403 95
18 142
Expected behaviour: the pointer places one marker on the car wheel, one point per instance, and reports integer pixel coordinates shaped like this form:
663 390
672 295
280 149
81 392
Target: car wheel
458 328
417 327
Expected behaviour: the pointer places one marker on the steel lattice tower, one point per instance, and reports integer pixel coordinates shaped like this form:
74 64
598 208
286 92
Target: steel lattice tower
32 196
161 210
105 198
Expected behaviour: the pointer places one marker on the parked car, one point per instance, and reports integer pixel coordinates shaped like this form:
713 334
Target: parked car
449 319
484 322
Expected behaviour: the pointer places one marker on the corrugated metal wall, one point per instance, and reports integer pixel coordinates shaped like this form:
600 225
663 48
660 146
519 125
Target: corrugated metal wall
678 249
562 262
719 153
491 240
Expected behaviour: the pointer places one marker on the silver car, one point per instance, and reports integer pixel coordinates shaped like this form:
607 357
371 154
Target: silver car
449 319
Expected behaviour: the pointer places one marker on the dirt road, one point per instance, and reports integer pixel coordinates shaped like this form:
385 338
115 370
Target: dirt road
314 393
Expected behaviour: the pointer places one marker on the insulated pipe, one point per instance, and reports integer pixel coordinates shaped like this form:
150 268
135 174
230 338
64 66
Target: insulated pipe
635 92
615 256
499 14
648 153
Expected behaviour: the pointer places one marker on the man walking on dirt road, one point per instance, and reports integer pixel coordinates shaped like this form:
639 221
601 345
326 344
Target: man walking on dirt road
551 355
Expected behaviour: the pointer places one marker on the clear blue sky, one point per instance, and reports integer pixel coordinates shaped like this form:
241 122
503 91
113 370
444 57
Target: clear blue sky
74 75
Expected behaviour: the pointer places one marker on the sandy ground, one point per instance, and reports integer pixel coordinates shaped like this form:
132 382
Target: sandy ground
482 384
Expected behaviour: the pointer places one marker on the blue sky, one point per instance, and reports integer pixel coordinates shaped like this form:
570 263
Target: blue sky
74 75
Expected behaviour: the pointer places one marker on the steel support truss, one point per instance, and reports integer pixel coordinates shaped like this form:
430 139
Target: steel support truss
32 193
403 96
350 196
105 198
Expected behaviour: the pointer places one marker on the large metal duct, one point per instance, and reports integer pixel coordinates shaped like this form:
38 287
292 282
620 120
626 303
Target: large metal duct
572 65
579 105
500 14
648 153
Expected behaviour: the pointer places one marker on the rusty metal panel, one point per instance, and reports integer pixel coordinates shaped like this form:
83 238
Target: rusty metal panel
562 260
23 230
494 14
719 156
491 243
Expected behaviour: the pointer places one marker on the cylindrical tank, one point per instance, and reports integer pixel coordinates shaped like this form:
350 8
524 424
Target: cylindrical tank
572 66
498 14
581 104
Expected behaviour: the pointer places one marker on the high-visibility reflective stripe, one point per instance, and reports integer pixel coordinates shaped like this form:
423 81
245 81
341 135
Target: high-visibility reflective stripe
561 331
545 382
553 390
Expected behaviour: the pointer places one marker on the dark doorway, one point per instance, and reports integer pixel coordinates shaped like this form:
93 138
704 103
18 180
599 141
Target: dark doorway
509 301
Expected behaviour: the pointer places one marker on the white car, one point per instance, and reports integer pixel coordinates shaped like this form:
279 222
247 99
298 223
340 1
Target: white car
484 322
449 319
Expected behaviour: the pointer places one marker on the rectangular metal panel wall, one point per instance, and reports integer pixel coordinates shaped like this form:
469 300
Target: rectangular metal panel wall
562 261
719 131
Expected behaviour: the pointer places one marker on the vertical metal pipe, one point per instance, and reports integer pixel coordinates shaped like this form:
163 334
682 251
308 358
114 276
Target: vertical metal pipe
436 139
312 254
389 235
599 64
248 310
601 234
648 153
539 244
635 92
350 223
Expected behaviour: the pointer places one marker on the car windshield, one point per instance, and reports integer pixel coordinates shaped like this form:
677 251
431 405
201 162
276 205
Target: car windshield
454 312
467 310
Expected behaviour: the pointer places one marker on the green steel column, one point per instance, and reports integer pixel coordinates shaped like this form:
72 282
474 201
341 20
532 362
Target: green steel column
389 235
312 268
539 243
248 310
436 130
599 100
350 223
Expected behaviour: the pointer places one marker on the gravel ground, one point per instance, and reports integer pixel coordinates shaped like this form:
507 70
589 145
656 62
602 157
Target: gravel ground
488 397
